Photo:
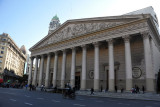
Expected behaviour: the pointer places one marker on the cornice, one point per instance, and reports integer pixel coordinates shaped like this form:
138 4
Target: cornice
122 17
118 31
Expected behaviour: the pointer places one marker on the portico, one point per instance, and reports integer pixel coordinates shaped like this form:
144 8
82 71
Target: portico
91 47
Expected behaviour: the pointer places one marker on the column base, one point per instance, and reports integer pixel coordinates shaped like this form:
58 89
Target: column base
40 83
150 85
129 84
62 83
72 83
54 83
83 84
111 85
34 82
46 83
96 84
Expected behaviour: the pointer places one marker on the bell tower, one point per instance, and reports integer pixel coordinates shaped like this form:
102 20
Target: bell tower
53 24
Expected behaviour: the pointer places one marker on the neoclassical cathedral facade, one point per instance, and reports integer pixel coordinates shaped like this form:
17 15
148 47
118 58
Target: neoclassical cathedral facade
101 52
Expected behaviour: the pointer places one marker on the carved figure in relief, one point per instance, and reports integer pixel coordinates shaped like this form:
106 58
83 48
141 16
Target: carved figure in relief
102 25
77 28
90 27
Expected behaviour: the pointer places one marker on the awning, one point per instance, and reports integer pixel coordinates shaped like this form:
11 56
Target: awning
1 80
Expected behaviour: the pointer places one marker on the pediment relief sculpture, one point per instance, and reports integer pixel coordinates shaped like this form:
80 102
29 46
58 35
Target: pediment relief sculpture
74 30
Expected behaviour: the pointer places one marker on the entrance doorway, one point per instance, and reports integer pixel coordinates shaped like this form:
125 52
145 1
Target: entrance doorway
77 81
107 77
50 77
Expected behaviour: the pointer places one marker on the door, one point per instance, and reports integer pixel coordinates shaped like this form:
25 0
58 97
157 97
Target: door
77 81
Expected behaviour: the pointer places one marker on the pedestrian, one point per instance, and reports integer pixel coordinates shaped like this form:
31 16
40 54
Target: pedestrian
137 89
143 89
30 87
101 88
122 90
26 86
42 87
116 89
92 91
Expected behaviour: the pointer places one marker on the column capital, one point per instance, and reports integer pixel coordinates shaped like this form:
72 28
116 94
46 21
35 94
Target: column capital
42 56
110 41
126 38
36 57
73 48
145 34
84 46
49 54
56 52
63 50
96 44
32 57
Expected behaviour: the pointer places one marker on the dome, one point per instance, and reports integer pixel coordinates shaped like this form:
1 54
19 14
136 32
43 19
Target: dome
55 18
23 49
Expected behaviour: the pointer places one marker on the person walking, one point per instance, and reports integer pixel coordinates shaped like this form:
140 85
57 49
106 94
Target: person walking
116 89
143 89
42 87
92 91
30 87
26 86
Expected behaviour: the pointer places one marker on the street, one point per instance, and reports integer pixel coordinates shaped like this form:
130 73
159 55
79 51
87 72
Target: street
10 97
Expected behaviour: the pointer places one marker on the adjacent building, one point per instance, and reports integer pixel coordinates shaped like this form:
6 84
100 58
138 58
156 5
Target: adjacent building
12 58
101 52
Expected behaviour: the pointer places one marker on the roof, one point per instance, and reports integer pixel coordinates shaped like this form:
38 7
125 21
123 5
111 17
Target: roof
130 16
55 18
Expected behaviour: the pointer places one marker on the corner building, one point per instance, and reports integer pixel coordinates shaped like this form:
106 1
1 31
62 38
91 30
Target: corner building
12 59
101 52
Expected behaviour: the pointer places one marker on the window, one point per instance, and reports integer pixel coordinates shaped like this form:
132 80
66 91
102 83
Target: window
3 39
2 52
1 56
2 47
0 61
3 43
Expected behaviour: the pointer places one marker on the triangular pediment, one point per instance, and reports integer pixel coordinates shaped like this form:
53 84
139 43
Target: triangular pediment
74 28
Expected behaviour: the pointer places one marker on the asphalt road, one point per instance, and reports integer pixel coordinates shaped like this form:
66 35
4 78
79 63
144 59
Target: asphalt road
10 97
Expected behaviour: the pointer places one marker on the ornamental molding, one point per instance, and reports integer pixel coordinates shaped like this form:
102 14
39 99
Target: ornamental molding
75 30
87 39
145 34
110 41
126 38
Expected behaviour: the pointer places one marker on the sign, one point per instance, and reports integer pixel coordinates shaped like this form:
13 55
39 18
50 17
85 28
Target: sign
1 80
136 72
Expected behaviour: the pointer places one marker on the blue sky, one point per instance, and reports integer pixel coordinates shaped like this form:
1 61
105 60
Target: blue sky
27 21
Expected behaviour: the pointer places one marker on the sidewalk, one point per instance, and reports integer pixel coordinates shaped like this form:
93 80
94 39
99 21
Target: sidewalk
125 95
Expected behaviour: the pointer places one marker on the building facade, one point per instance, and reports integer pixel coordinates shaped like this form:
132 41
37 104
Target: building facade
12 58
101 52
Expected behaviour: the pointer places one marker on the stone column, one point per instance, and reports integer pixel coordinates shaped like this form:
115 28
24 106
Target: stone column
96 66
55 69
111 65
47 70
30 72
63 69
128 63
35 72
73 67
41 71
148 62
84 63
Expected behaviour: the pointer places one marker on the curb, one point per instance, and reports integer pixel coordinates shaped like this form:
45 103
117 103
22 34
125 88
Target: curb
120 97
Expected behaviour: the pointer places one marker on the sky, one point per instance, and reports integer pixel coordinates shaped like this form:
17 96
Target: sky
27 21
